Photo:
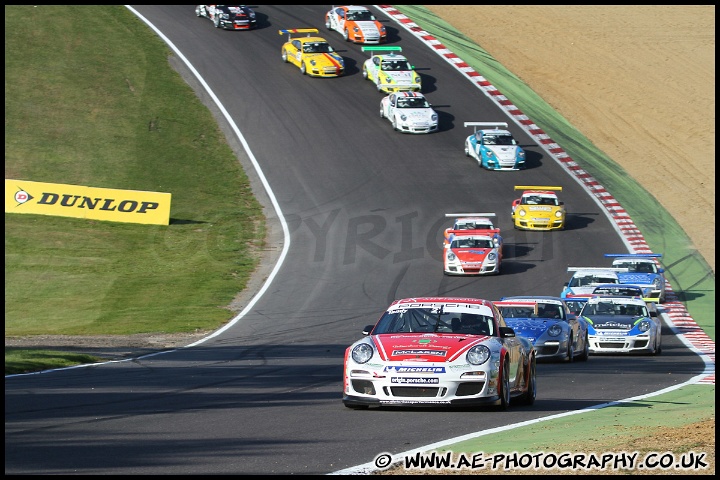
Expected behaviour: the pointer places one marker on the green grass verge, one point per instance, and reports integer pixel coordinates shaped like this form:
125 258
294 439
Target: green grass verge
90 99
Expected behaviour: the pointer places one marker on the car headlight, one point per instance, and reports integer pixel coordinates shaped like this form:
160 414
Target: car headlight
451 256
554 330
490 154
362 353
521 154
388 80
644 326
491 256
658 283
403 117
478 355
224 16
312 62
416 79
434 117
382 30
356 29
522 212
558 213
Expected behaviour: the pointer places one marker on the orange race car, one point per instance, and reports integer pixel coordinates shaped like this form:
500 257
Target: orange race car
356 24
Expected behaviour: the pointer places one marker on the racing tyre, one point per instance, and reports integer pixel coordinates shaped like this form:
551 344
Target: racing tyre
327 23
586 351
504 386
303 68
570 351
467 149
528 397
284 56
379 88
658 347
394 124
382 114
346 35
216 21
365 73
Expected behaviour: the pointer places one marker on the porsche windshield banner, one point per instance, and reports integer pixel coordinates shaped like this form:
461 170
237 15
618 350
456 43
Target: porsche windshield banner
129 206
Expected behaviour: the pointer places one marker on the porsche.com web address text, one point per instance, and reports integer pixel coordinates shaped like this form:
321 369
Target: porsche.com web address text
608 461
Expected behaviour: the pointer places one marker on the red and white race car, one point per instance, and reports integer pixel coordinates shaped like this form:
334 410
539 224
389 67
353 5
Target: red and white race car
356 24
439 351
473 252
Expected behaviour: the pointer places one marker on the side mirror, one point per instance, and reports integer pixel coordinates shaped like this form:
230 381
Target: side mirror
368 329
507 332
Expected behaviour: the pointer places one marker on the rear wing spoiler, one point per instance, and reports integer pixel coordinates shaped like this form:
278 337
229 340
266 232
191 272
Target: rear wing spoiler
596 269
372 50
496 125
515 303
475 232
470 215
537 187
290 31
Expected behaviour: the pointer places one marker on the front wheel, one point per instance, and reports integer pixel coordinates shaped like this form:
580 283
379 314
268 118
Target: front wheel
365 73
570 351
382 113
284 56
327 23
394 124
531 392
504 386
346 35
586 350
303 68
216 21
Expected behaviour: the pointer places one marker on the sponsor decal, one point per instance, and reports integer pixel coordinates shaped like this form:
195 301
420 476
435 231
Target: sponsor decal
129 206
419 352
401 369
415 402
408 380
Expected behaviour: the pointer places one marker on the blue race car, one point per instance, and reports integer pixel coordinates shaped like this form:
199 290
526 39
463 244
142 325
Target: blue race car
555 331
641 270
494 148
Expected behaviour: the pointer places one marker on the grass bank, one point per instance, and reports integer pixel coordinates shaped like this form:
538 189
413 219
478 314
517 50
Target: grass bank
90 99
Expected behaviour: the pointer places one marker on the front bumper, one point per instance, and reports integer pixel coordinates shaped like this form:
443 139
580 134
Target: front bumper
417 128
640 344
362 388
539 224
485 269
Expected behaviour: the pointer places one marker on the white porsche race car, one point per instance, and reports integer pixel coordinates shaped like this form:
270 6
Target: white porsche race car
409 112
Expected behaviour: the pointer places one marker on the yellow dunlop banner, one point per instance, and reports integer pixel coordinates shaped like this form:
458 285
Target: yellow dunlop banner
129 206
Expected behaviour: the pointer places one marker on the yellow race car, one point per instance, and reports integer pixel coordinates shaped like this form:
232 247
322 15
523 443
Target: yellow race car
390 71
538 209
312 54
